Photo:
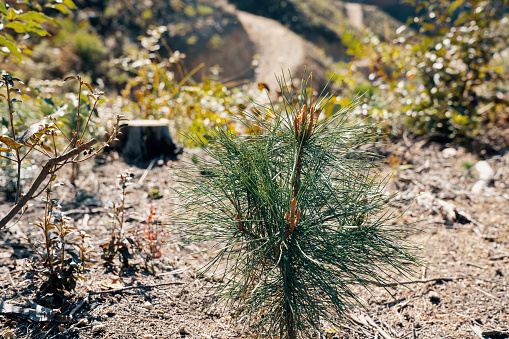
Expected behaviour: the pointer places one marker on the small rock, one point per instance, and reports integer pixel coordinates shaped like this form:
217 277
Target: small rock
425 199
449 152
484 170
148 305
5 255
479 186
98 328
148 336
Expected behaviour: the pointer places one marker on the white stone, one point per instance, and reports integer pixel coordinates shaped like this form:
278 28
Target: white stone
479 186
484 170
98 328
449 152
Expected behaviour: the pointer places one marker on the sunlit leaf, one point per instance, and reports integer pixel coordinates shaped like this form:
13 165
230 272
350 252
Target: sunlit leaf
69 78
59 7
3 8
89 87
13 144
70 4
11 46
13 14
37 29
17 26
38 17
46 148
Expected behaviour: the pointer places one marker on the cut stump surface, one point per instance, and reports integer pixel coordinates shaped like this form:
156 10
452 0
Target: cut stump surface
143 140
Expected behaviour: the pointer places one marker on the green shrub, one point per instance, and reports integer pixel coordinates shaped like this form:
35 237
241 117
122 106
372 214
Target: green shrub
83 42
28 20
297 213
444 76
89 47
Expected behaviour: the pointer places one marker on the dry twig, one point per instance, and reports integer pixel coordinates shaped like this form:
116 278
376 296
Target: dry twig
40 178
133 287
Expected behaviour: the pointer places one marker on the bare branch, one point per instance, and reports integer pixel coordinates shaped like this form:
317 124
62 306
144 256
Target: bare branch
40 178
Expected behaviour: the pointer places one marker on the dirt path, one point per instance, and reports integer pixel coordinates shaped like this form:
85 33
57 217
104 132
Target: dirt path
282 49
355 16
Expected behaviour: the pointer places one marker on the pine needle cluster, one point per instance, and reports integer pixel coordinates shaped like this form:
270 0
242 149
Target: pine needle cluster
297 214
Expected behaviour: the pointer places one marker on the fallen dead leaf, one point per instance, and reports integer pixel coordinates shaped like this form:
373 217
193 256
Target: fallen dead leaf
110 284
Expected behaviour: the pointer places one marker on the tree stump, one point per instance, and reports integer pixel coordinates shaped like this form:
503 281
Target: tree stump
143 140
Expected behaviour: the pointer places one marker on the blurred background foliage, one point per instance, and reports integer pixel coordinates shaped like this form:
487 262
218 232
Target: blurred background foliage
433 68
444 74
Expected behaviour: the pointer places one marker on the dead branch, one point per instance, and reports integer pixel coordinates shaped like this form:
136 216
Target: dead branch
40 178
133 287
424 281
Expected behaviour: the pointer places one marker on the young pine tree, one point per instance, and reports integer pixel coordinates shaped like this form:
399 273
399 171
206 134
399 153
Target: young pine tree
297 215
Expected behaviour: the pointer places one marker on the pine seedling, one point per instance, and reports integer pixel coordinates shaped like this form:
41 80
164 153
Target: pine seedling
297 214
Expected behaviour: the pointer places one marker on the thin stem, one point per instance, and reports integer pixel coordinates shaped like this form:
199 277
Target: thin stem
112 136
54 143
18 160
123 205
10 110
62 235
86 124
3 156
78 119
32 147
18 179
296 180
54 123
47 219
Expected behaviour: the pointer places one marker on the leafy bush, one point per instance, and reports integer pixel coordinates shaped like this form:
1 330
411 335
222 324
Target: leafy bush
29 22
81 42
297 213
447 77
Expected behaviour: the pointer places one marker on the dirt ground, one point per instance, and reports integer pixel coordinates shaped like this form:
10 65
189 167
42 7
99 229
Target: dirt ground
460 292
